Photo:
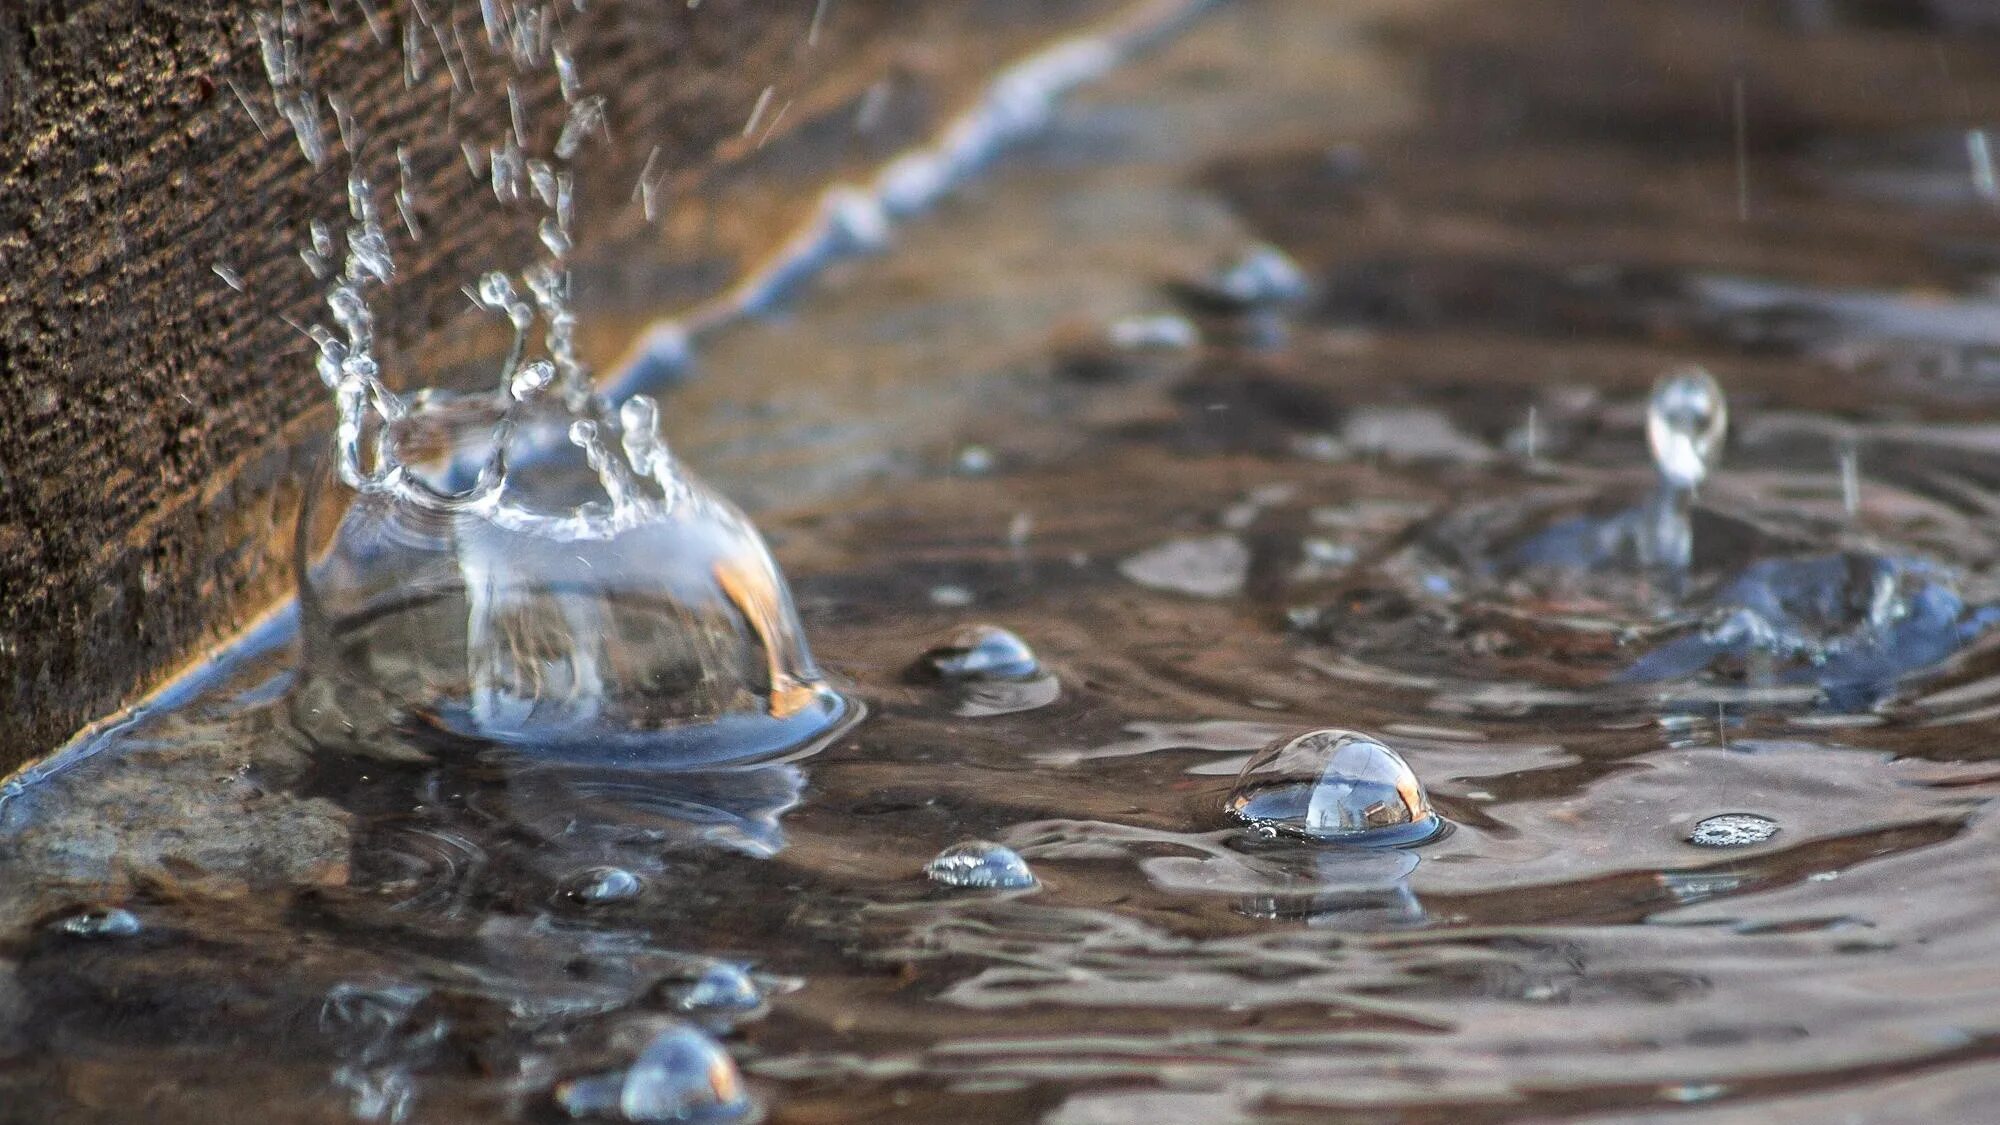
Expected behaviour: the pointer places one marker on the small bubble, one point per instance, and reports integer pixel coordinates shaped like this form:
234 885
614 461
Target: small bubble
1335 785
1162 332
1733 830
981 864
1263 276
1686 422
100 922
975 459
979 652
596 885
721 987
682 1075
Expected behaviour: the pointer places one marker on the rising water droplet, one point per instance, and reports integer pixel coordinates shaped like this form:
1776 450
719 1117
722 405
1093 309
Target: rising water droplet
99 922
595 885
682 1075
1339 786
1686 421
1733 830
981 864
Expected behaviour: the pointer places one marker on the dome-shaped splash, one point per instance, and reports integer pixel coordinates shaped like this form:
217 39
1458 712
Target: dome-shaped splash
541 574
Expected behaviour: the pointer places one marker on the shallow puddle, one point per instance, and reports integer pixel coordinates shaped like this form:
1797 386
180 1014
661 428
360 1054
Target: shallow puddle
1204 511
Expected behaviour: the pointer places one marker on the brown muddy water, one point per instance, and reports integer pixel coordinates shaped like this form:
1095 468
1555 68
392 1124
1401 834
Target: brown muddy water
1219 521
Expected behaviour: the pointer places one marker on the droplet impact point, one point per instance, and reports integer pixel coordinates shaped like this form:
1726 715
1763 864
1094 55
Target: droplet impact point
1334 786
1733 830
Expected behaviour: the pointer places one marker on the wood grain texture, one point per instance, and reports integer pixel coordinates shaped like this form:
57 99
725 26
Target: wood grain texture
153 419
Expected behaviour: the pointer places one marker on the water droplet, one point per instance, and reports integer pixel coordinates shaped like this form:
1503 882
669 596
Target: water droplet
982 864
630 622
979 652
1686 421
722 986
682 1075
99 922
1733 830
1339 786
596 885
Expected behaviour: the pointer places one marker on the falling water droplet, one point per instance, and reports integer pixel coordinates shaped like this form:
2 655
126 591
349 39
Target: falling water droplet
1733 830
99 922
979 652
682 1075
981 864
1339 786
595 885
1686 422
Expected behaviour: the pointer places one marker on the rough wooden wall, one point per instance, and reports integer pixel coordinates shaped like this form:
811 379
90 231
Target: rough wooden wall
153 419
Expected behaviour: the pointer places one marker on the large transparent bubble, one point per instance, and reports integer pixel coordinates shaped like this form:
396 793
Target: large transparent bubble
546 578
1336 786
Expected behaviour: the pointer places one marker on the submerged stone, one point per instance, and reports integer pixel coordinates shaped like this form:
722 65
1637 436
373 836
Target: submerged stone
1336 786
980 864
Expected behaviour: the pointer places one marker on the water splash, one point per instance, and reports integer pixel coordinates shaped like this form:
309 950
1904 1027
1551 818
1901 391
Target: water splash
1733 830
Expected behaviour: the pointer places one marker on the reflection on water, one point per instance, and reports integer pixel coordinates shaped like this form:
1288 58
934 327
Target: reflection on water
1729 891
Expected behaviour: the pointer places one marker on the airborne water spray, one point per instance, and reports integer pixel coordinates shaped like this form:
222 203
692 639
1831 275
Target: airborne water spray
526 566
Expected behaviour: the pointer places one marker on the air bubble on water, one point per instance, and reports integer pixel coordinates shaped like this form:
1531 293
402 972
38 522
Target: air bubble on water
1337 786
979 652
682 1075
980 864
99 922
719 986
1733 830
1262 276
595 886
988 671
1159 332
1687 419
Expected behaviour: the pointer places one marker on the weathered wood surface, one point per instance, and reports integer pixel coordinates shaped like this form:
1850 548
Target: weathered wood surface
153 420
